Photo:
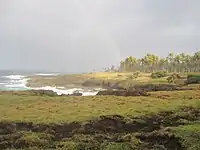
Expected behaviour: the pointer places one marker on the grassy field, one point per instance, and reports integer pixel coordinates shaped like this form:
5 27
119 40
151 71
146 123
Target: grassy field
164 120
92 79
97 79
68 109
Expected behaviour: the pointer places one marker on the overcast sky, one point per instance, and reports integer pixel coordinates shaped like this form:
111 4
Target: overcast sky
79 35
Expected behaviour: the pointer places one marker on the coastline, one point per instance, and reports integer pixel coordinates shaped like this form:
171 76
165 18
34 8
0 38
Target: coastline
91 84
20 82
42 119
90 80
36 82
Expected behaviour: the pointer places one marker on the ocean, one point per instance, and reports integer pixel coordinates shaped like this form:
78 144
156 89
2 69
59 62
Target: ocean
13 80
16 81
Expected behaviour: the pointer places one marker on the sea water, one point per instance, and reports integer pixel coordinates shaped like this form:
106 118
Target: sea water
13 80
17 80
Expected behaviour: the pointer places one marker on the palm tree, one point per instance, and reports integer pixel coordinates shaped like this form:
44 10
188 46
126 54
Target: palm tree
130 63
172 63
177 63
122 66
162 64
196 60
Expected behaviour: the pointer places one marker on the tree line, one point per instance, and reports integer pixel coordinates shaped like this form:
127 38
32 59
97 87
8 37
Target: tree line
151 63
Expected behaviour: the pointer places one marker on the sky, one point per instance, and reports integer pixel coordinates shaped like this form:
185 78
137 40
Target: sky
82 35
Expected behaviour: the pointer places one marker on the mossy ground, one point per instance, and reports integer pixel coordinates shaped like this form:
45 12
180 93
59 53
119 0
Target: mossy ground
164 120
43 109
189 135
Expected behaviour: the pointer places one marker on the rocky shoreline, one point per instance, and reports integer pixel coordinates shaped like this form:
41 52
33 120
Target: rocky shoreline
137 90
118 85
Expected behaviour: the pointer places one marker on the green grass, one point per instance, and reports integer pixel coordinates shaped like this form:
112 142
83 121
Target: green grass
93 78
96 79
53 112
46 109
189 135
47 113
32 138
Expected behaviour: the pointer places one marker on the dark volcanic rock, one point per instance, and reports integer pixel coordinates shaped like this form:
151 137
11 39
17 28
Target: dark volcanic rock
124 93
153 131
44 93
76 94
160 87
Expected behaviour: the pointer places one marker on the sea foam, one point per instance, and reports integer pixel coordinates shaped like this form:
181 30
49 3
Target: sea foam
15 77
67 91
19 82
46 74
15 82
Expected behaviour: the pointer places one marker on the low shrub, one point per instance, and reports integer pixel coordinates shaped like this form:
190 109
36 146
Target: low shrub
159 74
135 75
193 79
173 77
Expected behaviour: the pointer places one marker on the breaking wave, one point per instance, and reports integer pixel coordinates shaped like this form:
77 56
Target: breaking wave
61 91
15 77
18 82
46 74
14 82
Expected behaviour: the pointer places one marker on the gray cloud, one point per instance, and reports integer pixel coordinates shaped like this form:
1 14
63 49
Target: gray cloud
77 35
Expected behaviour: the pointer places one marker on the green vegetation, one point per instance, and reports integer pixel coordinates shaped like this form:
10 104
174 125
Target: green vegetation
76 80
172 78
135 75
112 80
159 74
105 80
155 108
189 135
172 63
163 120
193 79
43 109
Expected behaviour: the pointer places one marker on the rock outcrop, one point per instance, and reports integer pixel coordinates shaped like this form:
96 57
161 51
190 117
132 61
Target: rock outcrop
124 93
